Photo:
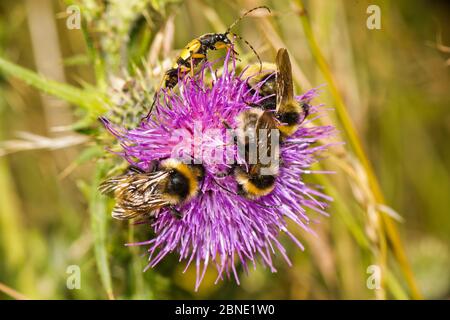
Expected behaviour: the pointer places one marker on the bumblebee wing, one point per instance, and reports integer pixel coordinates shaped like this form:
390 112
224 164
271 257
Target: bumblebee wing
285 86
266 121
136 194
121 213
112 184
130 210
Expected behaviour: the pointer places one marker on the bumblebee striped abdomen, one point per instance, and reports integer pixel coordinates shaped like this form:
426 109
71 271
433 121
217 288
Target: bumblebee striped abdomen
254 186
289 118
257 178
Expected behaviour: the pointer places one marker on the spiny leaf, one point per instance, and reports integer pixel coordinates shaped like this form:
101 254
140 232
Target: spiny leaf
90 101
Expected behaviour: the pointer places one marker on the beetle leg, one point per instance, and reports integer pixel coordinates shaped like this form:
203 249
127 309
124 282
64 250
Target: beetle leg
192 64
198 56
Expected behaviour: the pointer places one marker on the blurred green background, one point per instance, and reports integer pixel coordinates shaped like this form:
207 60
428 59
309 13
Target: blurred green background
394 83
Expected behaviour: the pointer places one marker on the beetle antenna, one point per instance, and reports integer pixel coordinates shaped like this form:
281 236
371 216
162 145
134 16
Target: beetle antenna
244 15
251 47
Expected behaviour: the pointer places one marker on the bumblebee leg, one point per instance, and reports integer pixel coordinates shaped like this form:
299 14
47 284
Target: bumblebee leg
175 212
305 108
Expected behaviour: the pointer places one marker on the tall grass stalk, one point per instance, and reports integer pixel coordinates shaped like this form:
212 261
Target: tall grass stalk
357 147
11 292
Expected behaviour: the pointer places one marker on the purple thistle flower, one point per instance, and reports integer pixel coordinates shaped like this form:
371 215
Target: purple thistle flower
219 226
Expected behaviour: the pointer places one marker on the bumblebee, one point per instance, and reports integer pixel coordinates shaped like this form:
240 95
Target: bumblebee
278 87
141 194
196 50
278 111
257 177
263 81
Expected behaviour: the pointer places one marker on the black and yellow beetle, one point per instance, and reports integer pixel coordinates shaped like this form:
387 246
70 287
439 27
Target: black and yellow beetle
196 50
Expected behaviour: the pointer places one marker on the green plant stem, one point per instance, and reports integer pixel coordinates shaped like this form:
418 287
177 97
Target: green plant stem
99 213
140 289
99 67
356 145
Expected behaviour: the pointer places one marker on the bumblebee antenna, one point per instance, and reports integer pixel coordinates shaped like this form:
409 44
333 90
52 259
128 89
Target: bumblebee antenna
244 15
251 47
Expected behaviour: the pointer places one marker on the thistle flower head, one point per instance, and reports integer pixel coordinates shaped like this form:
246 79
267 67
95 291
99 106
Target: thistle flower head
219 226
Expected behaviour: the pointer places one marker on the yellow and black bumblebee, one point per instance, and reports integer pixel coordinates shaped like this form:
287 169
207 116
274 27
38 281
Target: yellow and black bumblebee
256 178
278 87
196 50
141 194
278 111
263 81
